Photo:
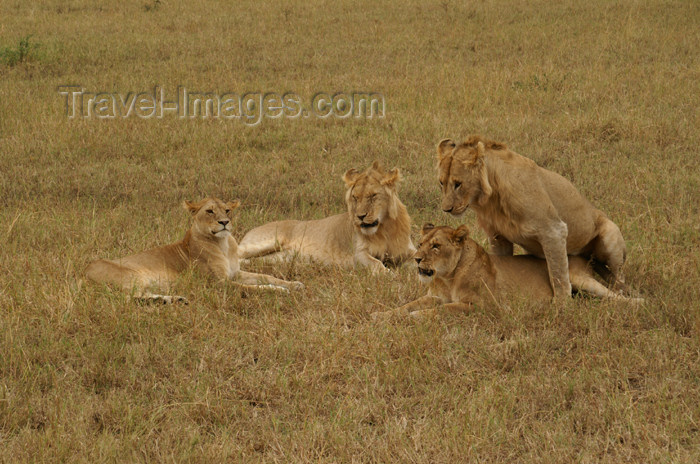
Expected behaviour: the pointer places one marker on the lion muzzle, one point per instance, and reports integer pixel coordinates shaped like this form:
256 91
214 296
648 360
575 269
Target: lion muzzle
426 272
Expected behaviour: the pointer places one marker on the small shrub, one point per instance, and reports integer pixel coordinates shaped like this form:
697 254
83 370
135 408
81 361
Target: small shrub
24 51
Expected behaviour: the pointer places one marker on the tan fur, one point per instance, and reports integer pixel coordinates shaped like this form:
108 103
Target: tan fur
461 273
347 239
208 245
517 201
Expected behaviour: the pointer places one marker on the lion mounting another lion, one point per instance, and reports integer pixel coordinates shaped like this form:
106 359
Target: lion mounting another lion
462 274
373 231
516 201
208 246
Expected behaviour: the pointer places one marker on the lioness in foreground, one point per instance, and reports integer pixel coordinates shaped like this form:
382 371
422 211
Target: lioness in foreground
208 245
517 201
375 229
461 273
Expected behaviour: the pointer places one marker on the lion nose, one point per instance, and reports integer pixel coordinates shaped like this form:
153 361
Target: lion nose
224 222
361 216
418 260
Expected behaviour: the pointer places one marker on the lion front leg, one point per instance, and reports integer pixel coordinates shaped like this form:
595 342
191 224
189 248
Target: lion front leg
396 261
414 306
554 248
264 281
363 258
149 297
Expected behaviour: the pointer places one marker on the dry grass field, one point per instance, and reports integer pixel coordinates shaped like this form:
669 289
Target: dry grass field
605 93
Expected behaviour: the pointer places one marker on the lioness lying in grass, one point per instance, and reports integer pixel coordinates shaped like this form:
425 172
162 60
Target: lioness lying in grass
208 245
461 273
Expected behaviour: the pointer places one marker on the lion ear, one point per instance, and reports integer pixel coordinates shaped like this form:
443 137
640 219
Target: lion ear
392 178
350 177
233 204
427 227
191 206
479 153
445 147
460 233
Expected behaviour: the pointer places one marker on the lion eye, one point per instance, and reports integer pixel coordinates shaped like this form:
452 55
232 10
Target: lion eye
228 211
435 246
442 184
210 211
457 185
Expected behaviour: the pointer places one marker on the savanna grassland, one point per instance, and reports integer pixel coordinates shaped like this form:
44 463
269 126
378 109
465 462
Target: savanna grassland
605 93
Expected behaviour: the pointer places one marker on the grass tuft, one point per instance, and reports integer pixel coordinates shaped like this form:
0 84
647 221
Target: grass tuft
24 51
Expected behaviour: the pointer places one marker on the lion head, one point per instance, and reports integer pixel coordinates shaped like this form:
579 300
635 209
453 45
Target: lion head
462 173
212 217
371 197
439 250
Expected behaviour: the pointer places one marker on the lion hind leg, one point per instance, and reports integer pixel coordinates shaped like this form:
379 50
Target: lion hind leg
131 281
266 239
609 251
254 248
610 279
113 273
586 283
278 257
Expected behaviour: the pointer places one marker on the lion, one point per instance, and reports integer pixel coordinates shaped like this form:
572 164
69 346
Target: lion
461 274
516 201
374 231
208 246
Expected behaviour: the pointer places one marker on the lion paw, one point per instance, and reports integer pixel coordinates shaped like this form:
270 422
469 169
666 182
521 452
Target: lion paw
277 288
163 299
